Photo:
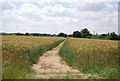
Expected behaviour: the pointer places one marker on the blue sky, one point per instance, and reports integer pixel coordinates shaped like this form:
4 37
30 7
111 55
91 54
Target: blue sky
59 16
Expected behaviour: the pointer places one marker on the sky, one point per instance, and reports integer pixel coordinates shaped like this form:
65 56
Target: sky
55 16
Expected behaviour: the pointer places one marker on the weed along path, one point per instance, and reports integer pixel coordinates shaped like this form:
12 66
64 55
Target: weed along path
50 66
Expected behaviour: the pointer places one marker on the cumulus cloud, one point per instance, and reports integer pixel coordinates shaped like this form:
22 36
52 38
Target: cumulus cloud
7 6
55 17
49 1
28 7
45 2
94 6
30 11
58 11
90 6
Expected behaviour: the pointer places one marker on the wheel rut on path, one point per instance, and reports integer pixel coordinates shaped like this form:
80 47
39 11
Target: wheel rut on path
50 62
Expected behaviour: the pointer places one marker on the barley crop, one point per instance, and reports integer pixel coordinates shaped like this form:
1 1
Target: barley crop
20 52
92 55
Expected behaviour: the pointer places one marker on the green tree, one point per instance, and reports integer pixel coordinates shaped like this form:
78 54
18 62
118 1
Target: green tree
113 36
70 35
19 34
27 34
85 32
118 37
62 35
76 34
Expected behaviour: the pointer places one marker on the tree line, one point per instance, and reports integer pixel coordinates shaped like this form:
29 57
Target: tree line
84 33
28 34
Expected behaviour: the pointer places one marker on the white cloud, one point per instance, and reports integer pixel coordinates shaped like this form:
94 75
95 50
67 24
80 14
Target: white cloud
44 2
90 6
30 11
28 7
49 1
88 0
58 11
94 6
7 6
59 18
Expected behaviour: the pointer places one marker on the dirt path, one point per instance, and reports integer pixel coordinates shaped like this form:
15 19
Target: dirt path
50 65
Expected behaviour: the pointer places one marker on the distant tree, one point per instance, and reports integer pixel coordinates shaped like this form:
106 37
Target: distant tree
70 35
54 35
3 33
85 32
27 34
62 35
19 34
108 34
104 34
113 36
118 37
96 34
35 34
76 34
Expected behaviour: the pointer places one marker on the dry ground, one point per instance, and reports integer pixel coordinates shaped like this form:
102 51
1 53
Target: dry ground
51 66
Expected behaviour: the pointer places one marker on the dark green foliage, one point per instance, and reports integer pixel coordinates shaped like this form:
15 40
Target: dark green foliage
104 34
76 34
19 34
64 53
118 37
62 35
30 34
85 32
70 35
40 34
109 36
7 34
26 34
113 36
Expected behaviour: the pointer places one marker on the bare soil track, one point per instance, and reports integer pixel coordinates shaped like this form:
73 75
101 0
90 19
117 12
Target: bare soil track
50 65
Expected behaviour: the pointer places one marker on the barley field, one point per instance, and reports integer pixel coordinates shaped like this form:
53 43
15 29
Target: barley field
92 56
20 52
89 56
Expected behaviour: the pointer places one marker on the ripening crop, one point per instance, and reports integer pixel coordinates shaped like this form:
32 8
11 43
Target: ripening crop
101 52
20 52
84 53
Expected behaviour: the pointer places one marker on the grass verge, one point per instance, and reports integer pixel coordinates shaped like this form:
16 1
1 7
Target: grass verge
20 65
67 55
38 51
110 72
88 63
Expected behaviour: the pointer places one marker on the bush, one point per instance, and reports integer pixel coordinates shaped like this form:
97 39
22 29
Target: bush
26 34
76 34
114 36
118 37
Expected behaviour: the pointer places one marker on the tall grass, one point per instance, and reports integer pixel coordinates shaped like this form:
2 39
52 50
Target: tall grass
92 56
67 54
38 51
20 52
